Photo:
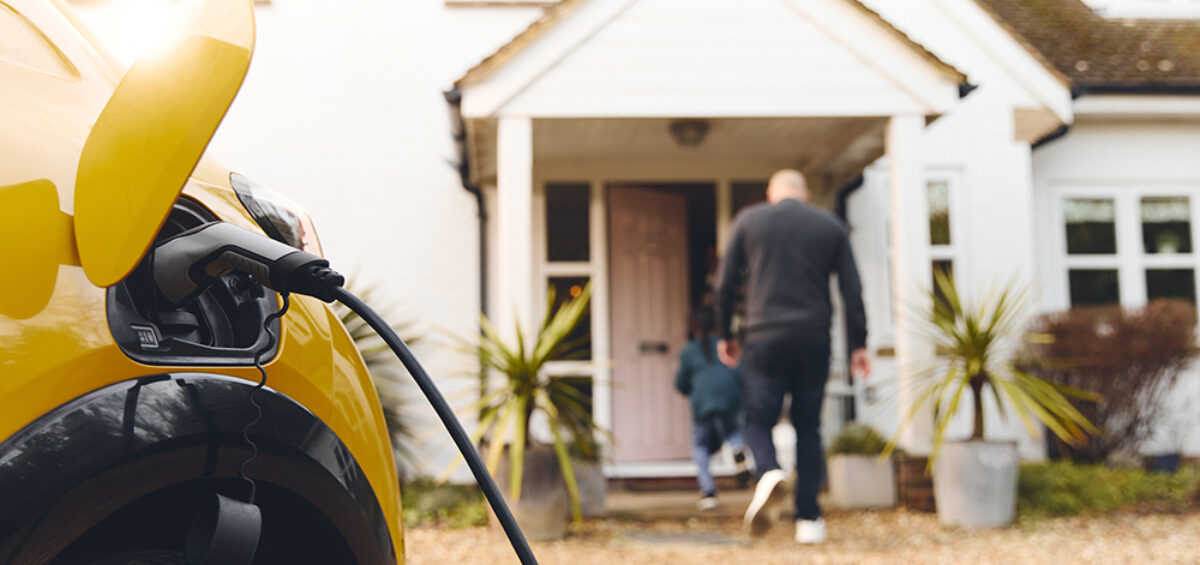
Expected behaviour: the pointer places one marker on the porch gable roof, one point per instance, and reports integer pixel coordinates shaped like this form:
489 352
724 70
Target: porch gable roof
851 35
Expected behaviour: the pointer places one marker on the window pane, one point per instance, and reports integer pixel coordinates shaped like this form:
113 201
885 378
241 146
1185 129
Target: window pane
1094 287
567 222
580 340
939 212
1167 225
748 193
945 268
1091 225
1171 283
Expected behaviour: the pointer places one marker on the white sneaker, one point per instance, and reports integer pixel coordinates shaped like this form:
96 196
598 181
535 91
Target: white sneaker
810 531
707 504
770 491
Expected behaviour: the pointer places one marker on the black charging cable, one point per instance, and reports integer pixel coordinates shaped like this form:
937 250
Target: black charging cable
461 439
189 262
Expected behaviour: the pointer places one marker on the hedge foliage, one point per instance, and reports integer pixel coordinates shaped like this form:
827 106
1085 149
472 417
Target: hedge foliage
1067 489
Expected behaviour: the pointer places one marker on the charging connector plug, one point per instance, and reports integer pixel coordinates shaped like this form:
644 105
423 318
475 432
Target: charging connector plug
187 264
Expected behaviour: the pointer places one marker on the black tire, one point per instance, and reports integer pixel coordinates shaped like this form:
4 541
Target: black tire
150 557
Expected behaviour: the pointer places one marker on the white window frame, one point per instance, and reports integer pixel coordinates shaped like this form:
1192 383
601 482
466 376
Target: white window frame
1130 260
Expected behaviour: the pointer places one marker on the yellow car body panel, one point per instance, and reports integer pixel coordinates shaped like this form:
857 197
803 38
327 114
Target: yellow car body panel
55 338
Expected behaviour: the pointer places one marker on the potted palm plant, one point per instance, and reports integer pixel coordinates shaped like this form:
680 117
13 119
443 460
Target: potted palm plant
974 479
858 476
540 478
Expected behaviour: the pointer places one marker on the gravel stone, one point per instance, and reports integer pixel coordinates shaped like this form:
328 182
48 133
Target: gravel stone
885 537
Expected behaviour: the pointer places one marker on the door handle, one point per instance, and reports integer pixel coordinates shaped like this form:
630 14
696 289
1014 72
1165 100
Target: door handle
659 347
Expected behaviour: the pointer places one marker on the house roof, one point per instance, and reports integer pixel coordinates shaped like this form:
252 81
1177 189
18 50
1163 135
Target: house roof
1101 54
557 11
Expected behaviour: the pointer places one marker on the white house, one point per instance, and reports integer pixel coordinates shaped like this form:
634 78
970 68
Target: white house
612 141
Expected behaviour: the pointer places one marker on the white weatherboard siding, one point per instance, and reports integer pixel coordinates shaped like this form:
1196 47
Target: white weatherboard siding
977 144
1122 157
342 111
659 58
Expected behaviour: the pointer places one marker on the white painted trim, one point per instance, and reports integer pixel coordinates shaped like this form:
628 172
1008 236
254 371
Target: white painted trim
663 469
514 204
1138 105
934 89
1045 85
565 269
931 89
602 407
555 44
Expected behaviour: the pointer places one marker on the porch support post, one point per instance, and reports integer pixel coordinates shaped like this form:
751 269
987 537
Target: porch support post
910 266
602 409
724 212
514 224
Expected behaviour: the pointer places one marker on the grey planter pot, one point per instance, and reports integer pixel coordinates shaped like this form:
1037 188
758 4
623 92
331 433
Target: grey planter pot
544 504
593 488
861 481
975 483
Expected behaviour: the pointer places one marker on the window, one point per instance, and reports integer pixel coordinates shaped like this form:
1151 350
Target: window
579 342
568 227
1128 246
1166 225
23 44
939 211
941 192
1094 287
1091 226
746 194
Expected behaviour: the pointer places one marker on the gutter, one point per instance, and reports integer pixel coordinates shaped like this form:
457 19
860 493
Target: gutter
1081 90
1057 133
462 163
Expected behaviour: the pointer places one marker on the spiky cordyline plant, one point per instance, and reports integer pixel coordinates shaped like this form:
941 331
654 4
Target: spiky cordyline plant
974 346
505 410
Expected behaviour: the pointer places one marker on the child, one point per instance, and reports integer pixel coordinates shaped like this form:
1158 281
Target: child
715 392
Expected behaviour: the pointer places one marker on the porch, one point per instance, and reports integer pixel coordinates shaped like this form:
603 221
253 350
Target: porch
614 146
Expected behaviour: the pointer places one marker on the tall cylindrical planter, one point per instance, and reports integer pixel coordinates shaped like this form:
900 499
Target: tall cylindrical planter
544 503
593 488
975 483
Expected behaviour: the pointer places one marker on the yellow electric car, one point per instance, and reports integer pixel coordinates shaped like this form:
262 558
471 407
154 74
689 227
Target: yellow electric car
120 412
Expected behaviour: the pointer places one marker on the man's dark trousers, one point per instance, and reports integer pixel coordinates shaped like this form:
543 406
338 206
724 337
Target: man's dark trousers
796 367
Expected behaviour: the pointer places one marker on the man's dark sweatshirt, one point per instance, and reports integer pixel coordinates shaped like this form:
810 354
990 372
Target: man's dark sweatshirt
787 252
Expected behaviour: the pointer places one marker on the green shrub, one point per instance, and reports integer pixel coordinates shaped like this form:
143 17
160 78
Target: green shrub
858 439
427 502
1067 489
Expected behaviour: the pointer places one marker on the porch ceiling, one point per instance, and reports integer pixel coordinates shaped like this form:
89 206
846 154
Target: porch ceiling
830 151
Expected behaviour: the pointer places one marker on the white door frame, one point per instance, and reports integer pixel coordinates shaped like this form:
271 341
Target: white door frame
598 179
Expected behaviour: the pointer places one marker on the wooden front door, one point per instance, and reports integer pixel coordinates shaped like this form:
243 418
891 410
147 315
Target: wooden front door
649 296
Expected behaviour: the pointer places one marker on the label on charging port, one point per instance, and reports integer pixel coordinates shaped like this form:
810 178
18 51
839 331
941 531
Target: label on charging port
147 337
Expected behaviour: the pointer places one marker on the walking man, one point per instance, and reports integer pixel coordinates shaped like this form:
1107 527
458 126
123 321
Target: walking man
785 252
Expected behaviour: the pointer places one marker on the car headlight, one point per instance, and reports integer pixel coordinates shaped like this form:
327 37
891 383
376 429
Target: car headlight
280 218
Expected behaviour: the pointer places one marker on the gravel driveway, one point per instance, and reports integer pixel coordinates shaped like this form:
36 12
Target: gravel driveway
855 537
